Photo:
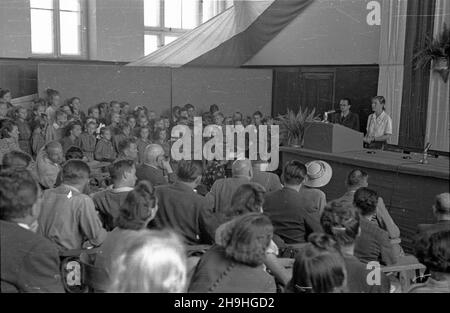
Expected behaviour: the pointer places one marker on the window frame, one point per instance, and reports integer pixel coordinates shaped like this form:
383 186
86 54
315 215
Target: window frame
57 33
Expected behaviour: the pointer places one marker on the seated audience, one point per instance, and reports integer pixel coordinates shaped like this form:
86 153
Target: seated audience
9 134
48 164
238 265
270 181
109 201
435 255
29 262
358 179
292 219
373 244
88 140
223 189
319 174
135 212
340 221
156 168
319 268
152 262
104 150
72 136
122 133
249 198
68 217
184 211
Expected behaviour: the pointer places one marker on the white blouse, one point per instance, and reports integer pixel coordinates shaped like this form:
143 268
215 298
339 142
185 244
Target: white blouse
379 126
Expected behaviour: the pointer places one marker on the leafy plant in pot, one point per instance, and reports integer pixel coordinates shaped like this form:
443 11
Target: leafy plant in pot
293 126
437 51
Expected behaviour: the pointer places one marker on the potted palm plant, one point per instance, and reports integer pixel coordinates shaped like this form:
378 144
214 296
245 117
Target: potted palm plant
436 51
293 126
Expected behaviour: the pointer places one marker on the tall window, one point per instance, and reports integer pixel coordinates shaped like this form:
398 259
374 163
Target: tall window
57 28
166 20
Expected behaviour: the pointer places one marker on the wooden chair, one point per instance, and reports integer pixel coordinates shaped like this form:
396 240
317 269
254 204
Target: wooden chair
408 269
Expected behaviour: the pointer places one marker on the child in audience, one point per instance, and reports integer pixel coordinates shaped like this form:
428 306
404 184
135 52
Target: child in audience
237 266
104 150
9 138
53 99
75 107
142 142
5 96
131 121
38 127
161 139
72 136
124 108
20 117
88 140
150 262
94 113
318 268
103 111
55 130
142 121
39 108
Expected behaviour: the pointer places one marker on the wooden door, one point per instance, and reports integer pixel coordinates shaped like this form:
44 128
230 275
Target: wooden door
286 90
317 91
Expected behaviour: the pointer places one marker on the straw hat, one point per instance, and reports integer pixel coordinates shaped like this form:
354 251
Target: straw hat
319 174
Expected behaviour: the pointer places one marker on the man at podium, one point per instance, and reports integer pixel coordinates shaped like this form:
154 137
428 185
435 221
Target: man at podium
346 117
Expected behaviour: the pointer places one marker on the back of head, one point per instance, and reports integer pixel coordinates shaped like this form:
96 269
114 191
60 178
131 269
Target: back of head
294 173
242 168
442 205
356 179
248 239
189 171
435 252
248 198
18 194
75 172
152 262
152 152
118 169
366 201
319 267
16 159
139 207
341 221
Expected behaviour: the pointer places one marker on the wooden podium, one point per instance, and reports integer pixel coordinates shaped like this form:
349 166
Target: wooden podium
332 138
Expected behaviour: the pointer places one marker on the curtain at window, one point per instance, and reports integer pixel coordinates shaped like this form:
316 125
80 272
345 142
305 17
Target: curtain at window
391 59
438 123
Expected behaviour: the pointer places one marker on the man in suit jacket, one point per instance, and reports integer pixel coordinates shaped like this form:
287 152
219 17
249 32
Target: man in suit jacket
182 209
29 262
155 167
292 222
223 189
270 181
373 244
441 211
346 117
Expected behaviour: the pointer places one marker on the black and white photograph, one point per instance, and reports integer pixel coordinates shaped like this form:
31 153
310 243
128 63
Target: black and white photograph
229 154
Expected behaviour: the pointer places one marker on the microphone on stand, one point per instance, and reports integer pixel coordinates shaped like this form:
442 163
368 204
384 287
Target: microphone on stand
327 114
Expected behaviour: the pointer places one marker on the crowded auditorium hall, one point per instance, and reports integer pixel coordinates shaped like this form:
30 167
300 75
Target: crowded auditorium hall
220 146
